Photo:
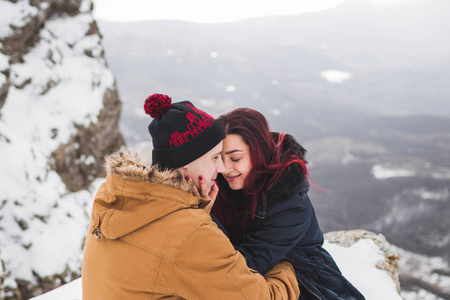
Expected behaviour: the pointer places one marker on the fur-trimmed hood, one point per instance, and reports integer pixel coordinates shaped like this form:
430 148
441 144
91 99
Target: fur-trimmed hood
293 179
127 166
135 195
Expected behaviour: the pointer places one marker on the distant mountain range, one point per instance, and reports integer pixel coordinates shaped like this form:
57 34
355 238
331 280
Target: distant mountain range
363 87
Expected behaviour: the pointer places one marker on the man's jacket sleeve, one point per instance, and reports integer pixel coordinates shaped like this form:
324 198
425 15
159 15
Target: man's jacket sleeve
208 267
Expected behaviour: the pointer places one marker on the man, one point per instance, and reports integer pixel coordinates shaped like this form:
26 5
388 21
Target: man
150 237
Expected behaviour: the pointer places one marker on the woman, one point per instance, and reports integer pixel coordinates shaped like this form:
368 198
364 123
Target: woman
264 206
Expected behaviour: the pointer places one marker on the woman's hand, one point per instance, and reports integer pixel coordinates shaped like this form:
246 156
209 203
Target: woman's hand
212 196
204 193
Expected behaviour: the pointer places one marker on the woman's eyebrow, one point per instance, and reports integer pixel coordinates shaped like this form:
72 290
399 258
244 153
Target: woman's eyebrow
232 151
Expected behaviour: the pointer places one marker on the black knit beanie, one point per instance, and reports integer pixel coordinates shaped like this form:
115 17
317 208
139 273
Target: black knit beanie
181 133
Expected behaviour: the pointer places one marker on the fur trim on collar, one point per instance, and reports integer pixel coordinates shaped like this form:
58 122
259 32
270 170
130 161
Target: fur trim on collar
293 176
128 167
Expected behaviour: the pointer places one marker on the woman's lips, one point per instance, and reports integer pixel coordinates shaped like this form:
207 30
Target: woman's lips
232 178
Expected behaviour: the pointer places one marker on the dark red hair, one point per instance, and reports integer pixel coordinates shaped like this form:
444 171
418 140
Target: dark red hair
269 158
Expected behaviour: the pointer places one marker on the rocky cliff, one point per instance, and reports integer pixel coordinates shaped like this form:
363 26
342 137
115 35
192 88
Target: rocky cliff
59 112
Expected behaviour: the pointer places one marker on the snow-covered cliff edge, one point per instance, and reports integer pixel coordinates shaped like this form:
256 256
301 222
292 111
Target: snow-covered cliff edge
59 111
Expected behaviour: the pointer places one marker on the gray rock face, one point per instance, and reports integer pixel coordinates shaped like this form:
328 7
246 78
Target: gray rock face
95 141
59 112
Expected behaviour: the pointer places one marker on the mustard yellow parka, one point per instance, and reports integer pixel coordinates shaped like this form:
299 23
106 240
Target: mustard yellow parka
150 238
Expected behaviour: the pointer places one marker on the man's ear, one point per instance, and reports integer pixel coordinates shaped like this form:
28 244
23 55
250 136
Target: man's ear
183 170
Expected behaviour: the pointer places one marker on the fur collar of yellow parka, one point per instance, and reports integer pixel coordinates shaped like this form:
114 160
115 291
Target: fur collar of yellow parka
128 167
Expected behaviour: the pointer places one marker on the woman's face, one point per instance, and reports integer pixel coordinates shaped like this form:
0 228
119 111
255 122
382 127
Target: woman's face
236 158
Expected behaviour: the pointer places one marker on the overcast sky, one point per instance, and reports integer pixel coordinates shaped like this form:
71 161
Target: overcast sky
212 11
203 11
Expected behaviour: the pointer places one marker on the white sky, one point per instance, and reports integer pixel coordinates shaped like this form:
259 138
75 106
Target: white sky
209 11
203 11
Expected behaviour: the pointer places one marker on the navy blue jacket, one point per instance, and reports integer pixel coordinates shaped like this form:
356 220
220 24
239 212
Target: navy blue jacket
287 229
290 231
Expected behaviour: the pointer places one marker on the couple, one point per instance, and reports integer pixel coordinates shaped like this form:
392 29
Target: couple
151 235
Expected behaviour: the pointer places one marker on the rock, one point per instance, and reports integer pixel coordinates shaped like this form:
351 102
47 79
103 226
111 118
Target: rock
94 142
59 113
390 262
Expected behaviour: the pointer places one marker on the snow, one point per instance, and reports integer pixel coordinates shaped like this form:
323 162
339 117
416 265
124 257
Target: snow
230 88
39 219
68 291
382 172
275 111
357 263
424 268
433 195
335 76
410 170
16 14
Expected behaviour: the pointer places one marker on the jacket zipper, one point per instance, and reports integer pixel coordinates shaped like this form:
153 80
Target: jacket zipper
292 262
317 296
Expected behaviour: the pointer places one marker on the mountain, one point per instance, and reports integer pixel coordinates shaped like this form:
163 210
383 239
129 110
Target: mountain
363 86
59 113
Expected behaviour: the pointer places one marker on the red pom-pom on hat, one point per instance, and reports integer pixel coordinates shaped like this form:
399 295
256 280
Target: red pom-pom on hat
157 105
